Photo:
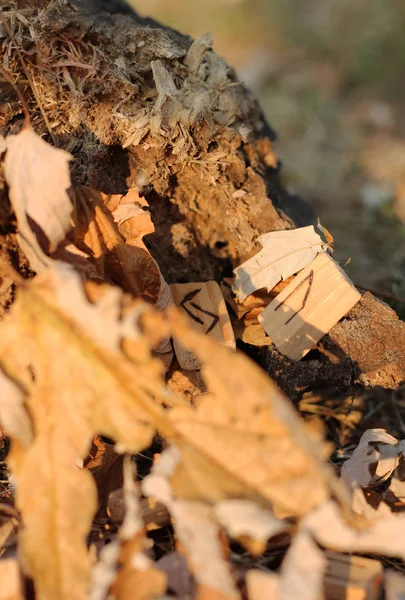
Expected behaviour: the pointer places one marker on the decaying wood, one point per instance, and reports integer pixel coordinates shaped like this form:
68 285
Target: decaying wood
352 577
206 311
309 307
193 141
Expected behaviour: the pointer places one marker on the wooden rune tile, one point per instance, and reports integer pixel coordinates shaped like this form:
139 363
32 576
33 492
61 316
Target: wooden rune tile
205 307
318 297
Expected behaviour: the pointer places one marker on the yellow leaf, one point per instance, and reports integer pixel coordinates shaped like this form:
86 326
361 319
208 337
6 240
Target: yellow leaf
58 501
78 383
38 178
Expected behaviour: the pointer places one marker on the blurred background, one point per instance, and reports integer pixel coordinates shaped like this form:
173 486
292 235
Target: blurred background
329 76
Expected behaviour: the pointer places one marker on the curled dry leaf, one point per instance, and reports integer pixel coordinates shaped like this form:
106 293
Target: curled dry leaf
82 385
283 254
38 178
374 459
128 265
131 213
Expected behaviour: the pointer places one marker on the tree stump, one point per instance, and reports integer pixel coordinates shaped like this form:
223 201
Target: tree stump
139 105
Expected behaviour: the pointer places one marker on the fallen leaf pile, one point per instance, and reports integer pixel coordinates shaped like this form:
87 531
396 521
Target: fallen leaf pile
89 386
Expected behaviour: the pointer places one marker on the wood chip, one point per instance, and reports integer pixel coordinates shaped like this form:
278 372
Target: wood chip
352 578
309 307
206 311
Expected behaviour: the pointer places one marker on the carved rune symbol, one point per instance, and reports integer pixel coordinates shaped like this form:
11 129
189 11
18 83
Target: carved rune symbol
308 278
188 298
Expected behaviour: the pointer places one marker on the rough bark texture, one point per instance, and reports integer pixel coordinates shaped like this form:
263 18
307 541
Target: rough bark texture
138 108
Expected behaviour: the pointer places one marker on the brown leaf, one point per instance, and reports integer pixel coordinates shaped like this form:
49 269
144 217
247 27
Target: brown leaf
128 265
38 178
105 464
131 213
58 515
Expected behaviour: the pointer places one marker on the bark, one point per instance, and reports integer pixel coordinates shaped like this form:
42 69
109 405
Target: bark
139 106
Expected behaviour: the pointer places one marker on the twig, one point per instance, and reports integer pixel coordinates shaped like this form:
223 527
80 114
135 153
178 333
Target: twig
19 94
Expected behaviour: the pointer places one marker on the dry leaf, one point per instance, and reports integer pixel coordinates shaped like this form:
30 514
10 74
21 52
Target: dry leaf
137 579
248 523
302 571
131 213
255 335
196 530
257 300
13 415
384 535
38 178
284 253
326 234
127 265
374 459
244 439
83 385
105 464
262 585
11 587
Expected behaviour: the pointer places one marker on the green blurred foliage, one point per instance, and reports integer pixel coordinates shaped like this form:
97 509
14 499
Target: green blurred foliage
363 38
